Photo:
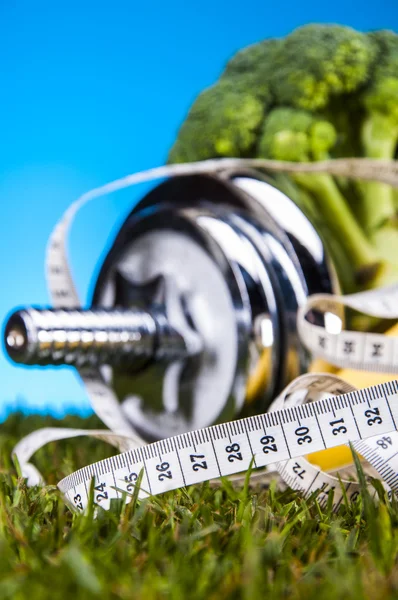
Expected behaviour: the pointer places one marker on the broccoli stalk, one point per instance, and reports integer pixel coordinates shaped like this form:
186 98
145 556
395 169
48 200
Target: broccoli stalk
379 137
308 205
296 135
379 130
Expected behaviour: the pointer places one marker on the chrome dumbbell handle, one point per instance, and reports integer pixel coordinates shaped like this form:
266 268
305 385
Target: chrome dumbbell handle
122 338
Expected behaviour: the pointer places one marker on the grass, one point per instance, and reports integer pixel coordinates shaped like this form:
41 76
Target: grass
195 543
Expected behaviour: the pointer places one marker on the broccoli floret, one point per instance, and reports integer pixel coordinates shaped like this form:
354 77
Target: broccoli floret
323 136
226 118
255 57
379 130
317 62
223 121
295 135
253 65
285 135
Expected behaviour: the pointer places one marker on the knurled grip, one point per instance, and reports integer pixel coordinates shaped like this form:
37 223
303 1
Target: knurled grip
82 338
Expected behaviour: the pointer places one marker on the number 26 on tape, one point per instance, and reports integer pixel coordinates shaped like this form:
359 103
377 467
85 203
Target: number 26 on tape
164 471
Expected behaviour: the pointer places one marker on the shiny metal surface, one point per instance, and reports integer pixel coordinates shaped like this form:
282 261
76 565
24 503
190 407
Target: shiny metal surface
246 258
288 243
289 292
171 399
220 264
316 269
124 339
294 250
224 284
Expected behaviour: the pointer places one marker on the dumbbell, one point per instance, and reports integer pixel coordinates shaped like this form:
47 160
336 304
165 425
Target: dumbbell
193 316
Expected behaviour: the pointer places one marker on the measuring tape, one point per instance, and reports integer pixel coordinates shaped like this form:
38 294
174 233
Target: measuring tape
301 420
230 448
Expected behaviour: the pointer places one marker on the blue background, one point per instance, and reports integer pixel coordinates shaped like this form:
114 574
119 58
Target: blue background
91 91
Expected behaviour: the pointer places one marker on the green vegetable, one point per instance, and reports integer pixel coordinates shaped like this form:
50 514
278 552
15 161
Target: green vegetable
317 62
224 121
226 118
324 91
297 135
253 67
379 130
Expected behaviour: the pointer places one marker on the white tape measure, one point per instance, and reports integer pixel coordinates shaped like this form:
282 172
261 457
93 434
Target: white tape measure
230 448
278 439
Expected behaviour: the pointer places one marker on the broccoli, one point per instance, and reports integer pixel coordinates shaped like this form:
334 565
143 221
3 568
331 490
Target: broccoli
254 65
323 91
379 129
226 118
255 57
296 135
317 62
223 121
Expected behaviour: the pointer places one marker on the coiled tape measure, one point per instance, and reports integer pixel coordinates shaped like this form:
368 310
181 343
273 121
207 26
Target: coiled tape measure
315 412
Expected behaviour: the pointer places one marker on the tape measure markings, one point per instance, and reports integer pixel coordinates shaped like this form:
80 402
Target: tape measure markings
353 349
280 435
